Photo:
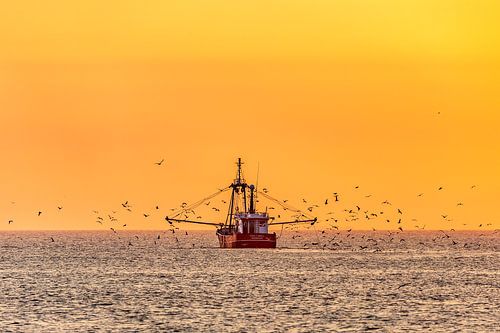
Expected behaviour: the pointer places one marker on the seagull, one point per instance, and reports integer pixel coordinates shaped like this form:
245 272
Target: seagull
440 188
460 204
58 207
157 207
335 194
400 228
145 215
399 211
326 202
39 213
160 163
10 221
421 194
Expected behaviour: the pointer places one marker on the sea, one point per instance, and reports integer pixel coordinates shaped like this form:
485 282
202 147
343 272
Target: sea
181 281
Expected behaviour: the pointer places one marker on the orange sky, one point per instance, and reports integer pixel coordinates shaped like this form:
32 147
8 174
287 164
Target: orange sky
398 97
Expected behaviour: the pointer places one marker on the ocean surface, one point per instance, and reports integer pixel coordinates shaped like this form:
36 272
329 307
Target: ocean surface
314 282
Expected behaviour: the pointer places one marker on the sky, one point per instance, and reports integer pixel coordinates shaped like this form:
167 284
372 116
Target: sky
394 97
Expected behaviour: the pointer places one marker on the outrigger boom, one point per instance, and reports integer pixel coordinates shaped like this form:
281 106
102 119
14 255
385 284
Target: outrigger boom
244 226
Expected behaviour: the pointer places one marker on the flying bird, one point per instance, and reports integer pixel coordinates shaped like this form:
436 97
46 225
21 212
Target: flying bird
39 213
160 163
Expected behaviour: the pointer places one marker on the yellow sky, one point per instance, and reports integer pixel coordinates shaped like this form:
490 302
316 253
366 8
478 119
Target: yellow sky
398 97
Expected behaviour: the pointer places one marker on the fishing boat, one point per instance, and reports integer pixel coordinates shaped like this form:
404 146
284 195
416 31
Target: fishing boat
245 226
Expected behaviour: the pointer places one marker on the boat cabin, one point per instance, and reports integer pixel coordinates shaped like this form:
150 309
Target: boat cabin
248 223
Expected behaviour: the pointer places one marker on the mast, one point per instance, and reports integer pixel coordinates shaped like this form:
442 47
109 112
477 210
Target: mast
238 187
252 205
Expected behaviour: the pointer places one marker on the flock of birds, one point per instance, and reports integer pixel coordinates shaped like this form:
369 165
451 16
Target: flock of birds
333 218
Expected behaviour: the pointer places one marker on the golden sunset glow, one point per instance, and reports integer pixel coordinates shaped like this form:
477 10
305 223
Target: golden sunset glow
396 97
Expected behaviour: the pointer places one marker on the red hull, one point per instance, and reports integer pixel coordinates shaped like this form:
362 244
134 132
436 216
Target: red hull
237 240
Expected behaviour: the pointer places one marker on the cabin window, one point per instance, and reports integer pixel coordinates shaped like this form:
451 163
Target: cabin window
251 228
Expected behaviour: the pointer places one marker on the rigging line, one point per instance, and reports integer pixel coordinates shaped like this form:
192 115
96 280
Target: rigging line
281 232
317 236
199 202
284 205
